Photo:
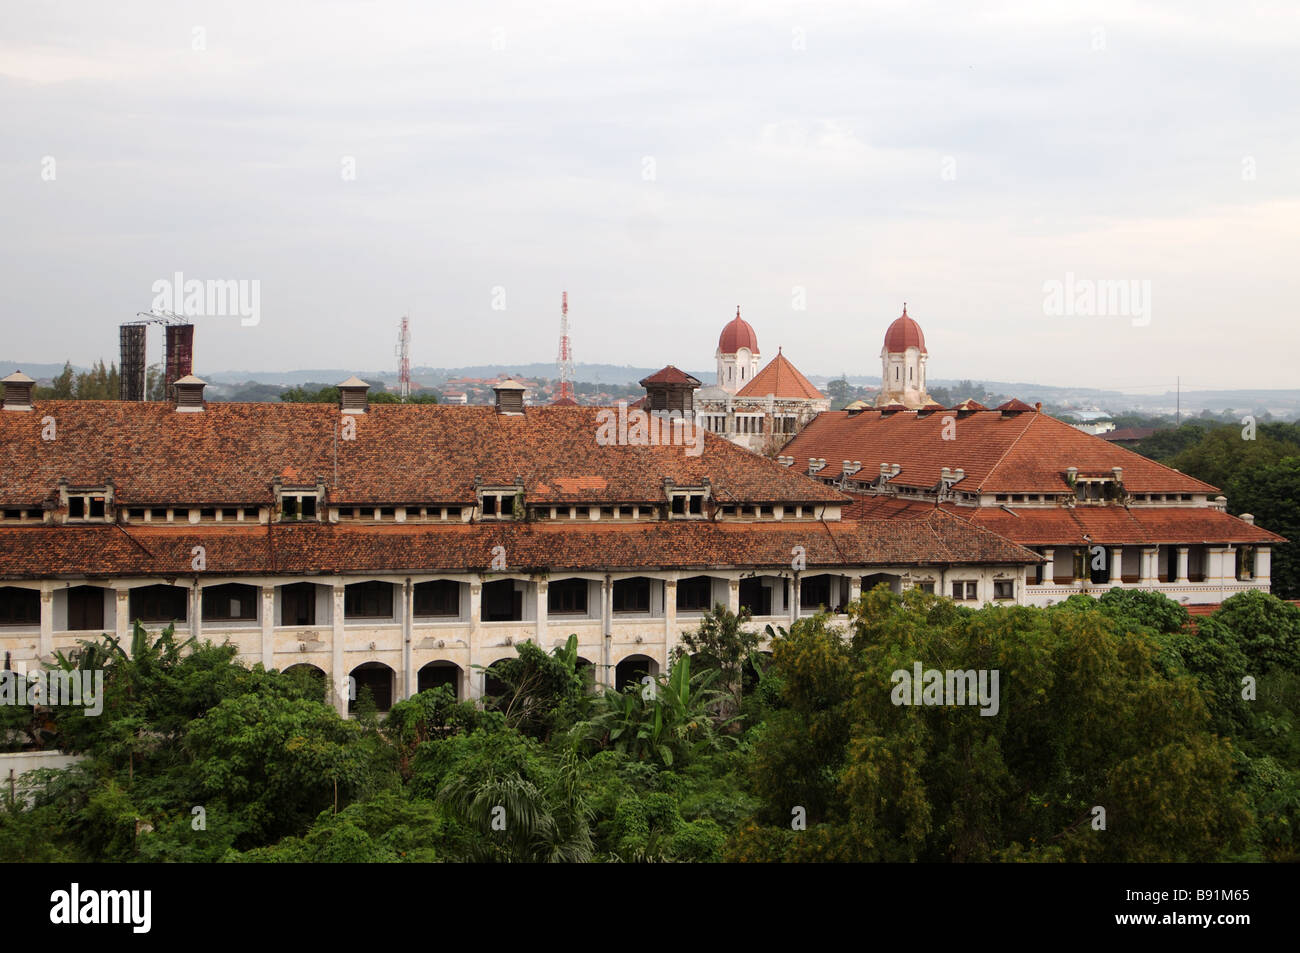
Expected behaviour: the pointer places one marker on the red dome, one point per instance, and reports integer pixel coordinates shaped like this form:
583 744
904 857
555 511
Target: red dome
904 333
738 334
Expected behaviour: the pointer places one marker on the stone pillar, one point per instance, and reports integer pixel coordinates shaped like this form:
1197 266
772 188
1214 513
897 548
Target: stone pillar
1182 564
122 615
610 670
46 644
733 595
543 607
855 588
794 598
671 635
338 664
268 627
1116 565
1049 567
408 632
1149 566
196 611
1263 564
473 683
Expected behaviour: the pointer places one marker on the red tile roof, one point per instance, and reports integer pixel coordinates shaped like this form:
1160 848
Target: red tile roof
1022 453
670 375
1116 525
320 548
780 378
403 453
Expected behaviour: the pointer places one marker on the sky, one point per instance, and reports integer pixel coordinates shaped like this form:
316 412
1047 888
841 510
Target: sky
817 165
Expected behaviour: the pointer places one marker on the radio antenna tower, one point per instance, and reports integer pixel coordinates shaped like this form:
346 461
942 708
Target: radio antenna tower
403 352
565 361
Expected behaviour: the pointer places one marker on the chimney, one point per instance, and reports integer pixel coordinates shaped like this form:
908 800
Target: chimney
1119 474
510 397
1038 406
18 391
189 394
353 396
1248 519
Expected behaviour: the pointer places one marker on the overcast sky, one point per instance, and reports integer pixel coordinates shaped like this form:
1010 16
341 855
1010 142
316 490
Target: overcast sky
663 163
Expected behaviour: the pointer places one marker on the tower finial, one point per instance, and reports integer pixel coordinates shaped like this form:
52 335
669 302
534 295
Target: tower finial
904 309
737 310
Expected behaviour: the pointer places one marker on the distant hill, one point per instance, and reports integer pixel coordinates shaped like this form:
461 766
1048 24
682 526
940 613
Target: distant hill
1280 403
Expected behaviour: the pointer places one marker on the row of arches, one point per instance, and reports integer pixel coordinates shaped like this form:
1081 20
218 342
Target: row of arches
380 680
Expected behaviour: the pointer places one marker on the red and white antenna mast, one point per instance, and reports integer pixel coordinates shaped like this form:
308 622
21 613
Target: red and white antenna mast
404 359
565 361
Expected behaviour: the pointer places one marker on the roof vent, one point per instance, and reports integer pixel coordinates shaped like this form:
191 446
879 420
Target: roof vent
1248 518
510 396
189 394
354 396
18 391
815 465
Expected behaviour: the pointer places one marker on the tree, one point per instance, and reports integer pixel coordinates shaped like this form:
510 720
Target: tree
722 642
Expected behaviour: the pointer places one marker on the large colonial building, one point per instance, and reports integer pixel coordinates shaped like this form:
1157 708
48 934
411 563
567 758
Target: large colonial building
1099 515
756 409
413 545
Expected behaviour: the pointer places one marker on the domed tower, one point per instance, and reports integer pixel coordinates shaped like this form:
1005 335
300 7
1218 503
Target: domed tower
902 365
737 354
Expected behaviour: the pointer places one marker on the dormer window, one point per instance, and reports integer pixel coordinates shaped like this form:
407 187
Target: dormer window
501 503
89 506
687 504
296 505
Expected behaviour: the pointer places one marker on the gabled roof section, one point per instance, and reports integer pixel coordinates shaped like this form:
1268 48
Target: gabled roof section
938 539
402 453
670 375
782 379
1017 453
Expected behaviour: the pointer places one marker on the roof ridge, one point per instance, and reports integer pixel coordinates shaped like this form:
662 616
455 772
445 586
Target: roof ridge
993 469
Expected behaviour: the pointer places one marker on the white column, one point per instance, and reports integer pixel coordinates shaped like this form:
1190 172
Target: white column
339 674
543 608
1049 567
47 621
733 595
1182 564
610 673
671 635
855 587
1116 565
268 627
408 632
794 598
473 683
196 611
1150 566
121 618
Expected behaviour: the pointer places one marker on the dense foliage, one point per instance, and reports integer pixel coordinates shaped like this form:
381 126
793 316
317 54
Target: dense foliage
1188 739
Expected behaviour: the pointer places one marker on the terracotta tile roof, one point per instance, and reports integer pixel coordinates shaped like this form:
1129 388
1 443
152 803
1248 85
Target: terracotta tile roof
1114 525
320 548
1129 433
670 375
1021 453
780 378
403 453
